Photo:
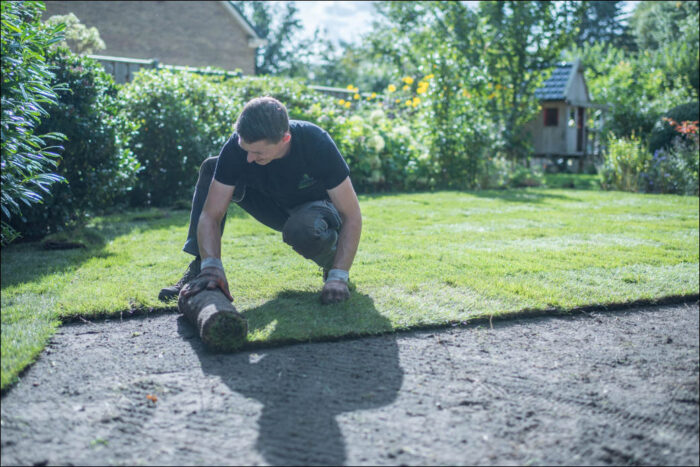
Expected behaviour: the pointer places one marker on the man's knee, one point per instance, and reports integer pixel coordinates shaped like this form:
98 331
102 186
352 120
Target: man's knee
311 231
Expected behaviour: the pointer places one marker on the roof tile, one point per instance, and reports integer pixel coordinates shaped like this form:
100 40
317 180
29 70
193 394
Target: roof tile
554 88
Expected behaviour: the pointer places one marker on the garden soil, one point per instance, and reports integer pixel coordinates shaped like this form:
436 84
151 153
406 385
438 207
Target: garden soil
595 388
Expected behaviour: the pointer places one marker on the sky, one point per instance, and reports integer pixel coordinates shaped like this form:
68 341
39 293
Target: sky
342 20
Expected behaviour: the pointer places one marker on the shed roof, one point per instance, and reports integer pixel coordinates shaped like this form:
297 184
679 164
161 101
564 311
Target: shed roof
555 87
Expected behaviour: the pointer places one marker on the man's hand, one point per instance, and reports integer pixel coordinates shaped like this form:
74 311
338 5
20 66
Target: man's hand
209 278
334 292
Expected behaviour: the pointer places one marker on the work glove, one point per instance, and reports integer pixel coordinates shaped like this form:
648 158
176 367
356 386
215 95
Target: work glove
209 278
334 292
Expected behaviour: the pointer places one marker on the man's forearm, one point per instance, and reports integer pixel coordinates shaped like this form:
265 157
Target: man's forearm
348 241
209 237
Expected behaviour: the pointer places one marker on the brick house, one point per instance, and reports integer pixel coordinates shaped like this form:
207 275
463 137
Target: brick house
195 34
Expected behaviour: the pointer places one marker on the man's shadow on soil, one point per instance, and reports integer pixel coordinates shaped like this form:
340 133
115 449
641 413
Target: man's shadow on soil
303 388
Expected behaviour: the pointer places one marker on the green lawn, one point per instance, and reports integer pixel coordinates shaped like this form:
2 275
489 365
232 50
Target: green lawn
424 259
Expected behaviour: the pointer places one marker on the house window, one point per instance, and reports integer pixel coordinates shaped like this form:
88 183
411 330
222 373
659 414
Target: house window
551 117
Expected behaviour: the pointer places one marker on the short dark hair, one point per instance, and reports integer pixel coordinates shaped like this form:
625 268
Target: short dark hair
263 118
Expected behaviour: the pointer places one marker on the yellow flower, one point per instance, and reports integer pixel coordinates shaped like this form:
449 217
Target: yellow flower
408 80
347 105
408 102
341 102
371 96
406 87
397 101
416 101
350 87
391 88
356 96
422 87
429 77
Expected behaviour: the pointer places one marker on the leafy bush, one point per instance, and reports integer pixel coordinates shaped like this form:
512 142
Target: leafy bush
525 177
674 169
78 37
181 118
98 168
637 88
623 164
26 89
178 121
663 133
629 166
500 172
576 181
383 153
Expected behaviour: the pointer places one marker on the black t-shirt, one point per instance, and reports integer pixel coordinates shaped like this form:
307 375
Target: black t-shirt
312 166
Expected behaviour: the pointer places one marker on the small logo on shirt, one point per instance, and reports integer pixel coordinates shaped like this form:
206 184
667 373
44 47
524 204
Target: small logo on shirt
305 182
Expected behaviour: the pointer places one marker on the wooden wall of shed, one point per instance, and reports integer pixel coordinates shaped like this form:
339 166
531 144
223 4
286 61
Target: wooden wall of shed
549 139
197 34
577 92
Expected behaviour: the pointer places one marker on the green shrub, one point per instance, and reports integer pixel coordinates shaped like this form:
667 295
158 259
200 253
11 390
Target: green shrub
674 169
623 164
499 172
98 168
381 149
525 177
181 118
383 153
576 181
26 89
178 121
663 133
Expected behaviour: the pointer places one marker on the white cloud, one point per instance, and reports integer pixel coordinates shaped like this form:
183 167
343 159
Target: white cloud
341 20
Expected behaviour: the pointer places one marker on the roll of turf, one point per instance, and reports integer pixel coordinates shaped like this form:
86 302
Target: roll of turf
221 327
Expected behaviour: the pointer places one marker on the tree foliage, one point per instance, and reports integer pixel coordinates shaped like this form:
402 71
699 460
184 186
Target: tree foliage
485 73
78 38
282 54
604 22
27 163
98 169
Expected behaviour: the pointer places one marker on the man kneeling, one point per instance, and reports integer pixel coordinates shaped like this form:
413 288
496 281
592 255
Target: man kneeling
290 176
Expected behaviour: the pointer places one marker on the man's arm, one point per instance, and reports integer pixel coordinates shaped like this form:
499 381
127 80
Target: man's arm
209 240
209 227
345 200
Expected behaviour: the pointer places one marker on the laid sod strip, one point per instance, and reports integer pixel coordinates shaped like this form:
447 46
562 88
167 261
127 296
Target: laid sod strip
425 259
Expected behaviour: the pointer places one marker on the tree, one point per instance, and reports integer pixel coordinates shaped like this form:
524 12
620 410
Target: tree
657 23
27 162
519 42
671 30
282 54
78 37
605 23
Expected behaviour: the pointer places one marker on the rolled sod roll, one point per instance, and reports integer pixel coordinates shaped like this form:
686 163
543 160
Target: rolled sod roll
220 326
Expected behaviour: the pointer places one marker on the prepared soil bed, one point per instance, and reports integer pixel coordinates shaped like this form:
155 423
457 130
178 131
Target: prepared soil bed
598 388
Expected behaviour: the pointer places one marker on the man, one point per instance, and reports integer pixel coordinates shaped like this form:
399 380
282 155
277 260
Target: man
288 175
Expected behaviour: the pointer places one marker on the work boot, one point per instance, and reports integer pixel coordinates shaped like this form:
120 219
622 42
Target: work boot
172 292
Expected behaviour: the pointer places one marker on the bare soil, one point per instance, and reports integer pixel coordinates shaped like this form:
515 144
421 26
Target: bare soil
596 388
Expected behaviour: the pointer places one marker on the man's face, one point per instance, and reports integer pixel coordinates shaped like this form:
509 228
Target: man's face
263 152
